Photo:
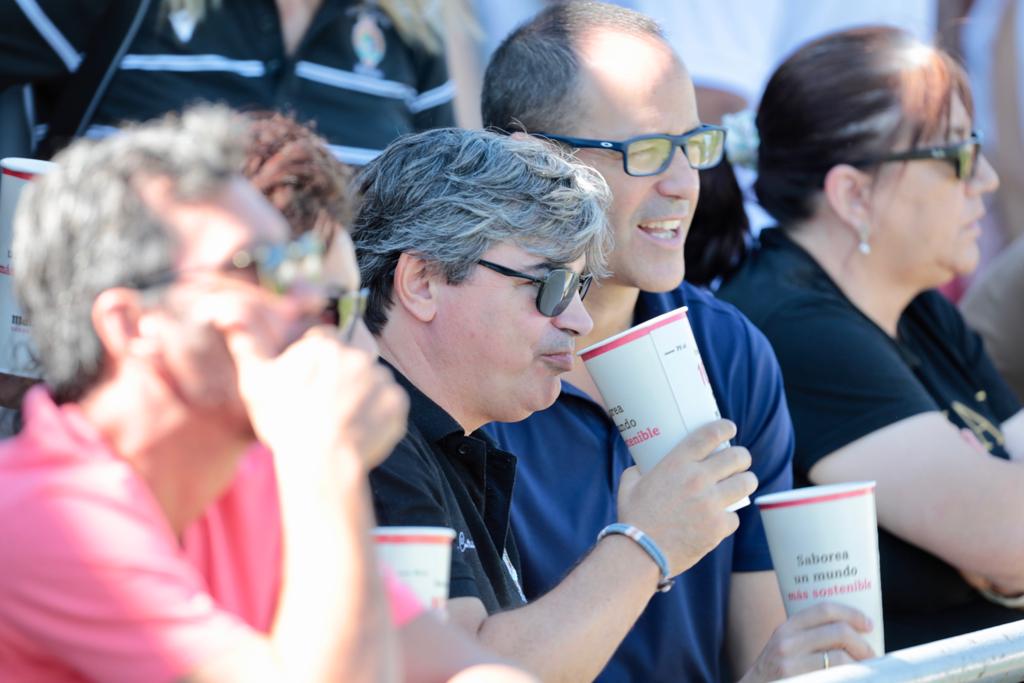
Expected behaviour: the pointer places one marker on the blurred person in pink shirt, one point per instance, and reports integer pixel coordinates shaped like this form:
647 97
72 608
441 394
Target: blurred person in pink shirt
176 324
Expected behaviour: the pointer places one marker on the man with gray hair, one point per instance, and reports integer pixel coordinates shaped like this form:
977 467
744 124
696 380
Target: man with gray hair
477 250
175 325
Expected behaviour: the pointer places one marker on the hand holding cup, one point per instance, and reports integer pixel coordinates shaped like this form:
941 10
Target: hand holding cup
827 632
681 502
655 387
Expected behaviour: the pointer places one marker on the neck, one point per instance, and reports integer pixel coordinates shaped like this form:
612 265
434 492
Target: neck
428 372
186 460
863 278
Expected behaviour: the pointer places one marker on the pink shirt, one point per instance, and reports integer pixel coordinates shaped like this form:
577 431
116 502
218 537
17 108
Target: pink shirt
93 583
237 548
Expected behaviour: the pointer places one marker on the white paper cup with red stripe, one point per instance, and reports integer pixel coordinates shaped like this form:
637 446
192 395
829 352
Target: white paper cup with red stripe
15 344
824 545
654 385
420 556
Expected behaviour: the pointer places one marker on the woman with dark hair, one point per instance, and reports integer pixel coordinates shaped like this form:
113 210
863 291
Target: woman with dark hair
869 163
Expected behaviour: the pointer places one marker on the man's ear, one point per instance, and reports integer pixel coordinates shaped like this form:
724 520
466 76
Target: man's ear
848 192
122 324
416 287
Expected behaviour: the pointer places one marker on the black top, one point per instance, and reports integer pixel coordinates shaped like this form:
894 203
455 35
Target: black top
352 72
846 378
439 476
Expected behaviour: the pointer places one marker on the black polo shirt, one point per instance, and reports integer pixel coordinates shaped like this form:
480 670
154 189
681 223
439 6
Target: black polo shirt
363 86
439 476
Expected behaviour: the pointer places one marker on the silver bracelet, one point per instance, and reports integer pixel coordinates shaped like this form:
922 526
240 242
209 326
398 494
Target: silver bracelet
649 546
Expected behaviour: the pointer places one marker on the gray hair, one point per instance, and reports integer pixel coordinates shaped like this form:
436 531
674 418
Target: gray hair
448 195
531 81
83 228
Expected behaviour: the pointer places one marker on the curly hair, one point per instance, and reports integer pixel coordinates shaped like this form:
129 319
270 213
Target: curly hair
293 167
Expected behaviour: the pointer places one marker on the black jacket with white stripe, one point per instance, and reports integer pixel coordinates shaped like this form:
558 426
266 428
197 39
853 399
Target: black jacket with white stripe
363 86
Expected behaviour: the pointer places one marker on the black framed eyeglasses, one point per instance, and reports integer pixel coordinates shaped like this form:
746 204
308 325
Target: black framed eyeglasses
646 155
557 287
963 155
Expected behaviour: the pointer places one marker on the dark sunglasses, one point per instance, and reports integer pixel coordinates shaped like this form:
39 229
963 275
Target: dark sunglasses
557 287
963 155
646 155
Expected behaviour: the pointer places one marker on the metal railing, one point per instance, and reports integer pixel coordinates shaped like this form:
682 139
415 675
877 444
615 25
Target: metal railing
990 656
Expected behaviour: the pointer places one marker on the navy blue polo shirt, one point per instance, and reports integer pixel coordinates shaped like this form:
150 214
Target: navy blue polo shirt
571 458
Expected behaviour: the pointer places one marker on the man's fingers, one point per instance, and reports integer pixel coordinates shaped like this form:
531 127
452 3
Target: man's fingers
839 636
249 356
798 648
251 342
727 462
318 357
736 487
710 436
826 612
699 444
827 627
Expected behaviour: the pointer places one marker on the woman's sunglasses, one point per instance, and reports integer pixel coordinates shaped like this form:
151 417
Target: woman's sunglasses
963 155
557 287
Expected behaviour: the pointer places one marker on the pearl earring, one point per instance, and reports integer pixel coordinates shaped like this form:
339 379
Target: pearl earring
864 247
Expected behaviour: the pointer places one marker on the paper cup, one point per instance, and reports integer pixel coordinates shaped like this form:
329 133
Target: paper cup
653 381
824 545
420 556
15 344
